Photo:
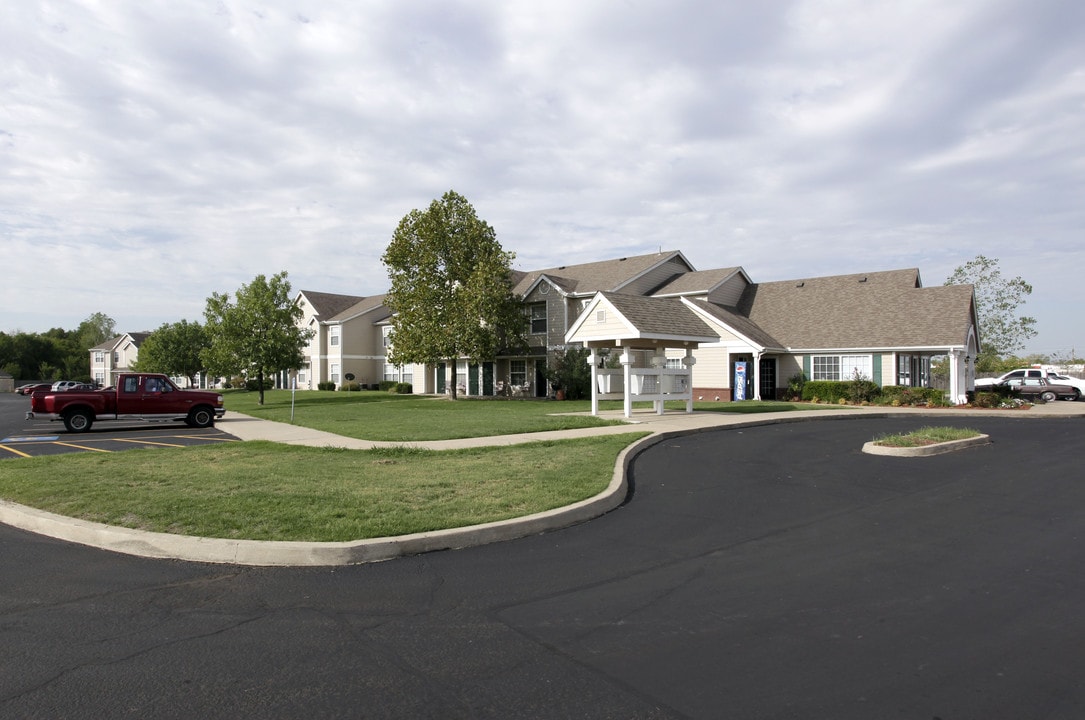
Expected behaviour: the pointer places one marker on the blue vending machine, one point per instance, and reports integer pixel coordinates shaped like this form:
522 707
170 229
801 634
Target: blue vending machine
740 381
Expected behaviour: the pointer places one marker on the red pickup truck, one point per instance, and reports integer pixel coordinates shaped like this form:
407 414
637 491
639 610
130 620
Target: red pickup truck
137 396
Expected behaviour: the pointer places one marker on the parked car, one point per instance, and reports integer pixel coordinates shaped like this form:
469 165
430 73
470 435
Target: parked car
1033 389
61 385
32 387
148 397
1033 372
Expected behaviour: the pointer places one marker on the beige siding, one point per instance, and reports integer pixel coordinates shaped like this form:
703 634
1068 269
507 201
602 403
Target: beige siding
713 367
889 368
612 326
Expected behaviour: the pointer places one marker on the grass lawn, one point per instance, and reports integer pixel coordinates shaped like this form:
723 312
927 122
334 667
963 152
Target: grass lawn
372 415
267 491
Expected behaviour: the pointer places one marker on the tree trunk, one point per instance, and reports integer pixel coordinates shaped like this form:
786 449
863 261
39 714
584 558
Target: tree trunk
452 380
260 381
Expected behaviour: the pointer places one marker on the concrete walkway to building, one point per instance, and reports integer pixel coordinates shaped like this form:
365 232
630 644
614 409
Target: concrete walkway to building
274 553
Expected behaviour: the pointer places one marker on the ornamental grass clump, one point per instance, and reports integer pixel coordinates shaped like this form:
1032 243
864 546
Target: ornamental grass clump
926 436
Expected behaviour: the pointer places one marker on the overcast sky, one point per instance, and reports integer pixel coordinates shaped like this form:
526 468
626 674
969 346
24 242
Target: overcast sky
154 152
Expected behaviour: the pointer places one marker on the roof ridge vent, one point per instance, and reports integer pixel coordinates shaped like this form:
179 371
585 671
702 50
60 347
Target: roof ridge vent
800 283
862 279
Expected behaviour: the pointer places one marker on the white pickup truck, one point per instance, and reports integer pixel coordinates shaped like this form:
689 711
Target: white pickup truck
1050 375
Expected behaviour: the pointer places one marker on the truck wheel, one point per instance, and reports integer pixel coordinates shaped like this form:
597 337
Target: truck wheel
78 421
1048 396
200 417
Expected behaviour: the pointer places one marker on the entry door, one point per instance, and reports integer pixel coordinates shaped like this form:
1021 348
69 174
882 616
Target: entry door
472 379
767 378
488 378
440 378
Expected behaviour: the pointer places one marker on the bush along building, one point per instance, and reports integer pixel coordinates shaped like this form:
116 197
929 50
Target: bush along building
658 329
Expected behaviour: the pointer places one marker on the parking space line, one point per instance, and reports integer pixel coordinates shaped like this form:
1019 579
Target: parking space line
13 450
205 437
147 442
81 447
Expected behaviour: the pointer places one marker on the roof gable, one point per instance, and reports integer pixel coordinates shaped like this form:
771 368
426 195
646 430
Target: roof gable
641 318
327 305
604 275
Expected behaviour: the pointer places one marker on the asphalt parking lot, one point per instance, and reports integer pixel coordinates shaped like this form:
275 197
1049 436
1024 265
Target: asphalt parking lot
20 437
759 572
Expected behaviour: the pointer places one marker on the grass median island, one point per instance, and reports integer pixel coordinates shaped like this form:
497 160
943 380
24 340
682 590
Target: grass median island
268 491
926 436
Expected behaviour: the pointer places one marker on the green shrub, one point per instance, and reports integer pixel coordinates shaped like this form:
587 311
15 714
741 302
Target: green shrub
897 395
795 385
237 381
350 387
326 385
253 384
830 391
401 388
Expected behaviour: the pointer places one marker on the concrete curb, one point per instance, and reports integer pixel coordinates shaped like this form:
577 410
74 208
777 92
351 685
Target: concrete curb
296 554
926 450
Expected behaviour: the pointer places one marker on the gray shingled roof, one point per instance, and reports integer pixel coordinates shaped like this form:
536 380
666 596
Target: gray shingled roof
593 277
328 305
660 316
740 324
846 311
364 306
701 281
109 345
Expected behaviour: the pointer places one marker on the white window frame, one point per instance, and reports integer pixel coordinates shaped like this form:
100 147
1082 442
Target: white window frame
333 336
841 367
536 317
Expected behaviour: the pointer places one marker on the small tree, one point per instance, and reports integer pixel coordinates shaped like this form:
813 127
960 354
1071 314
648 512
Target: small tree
257 333
174 349
569 371
451 292
997 299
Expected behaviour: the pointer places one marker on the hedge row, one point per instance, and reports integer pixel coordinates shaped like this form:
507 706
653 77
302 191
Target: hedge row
866 391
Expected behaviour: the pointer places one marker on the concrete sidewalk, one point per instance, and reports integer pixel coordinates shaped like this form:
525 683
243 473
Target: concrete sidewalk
254 552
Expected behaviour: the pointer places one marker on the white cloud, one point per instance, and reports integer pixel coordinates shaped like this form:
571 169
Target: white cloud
153 153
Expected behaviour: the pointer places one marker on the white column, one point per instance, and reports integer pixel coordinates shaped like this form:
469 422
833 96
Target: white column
593 361
689 361
955 384
627 363
756 370
659 361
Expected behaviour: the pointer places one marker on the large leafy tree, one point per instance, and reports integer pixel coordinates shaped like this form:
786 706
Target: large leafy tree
1002 331
451 292
256 332
95 330
174 349
57 353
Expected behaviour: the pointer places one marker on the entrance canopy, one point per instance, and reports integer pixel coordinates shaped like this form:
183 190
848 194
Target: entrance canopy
635 322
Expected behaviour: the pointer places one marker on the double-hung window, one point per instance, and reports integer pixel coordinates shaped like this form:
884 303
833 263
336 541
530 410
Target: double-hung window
333 336
517 372
538 318
841 367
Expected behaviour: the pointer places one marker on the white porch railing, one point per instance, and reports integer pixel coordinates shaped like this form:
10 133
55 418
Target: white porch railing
645 384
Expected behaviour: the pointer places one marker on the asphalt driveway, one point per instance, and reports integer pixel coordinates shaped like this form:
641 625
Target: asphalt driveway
766 572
